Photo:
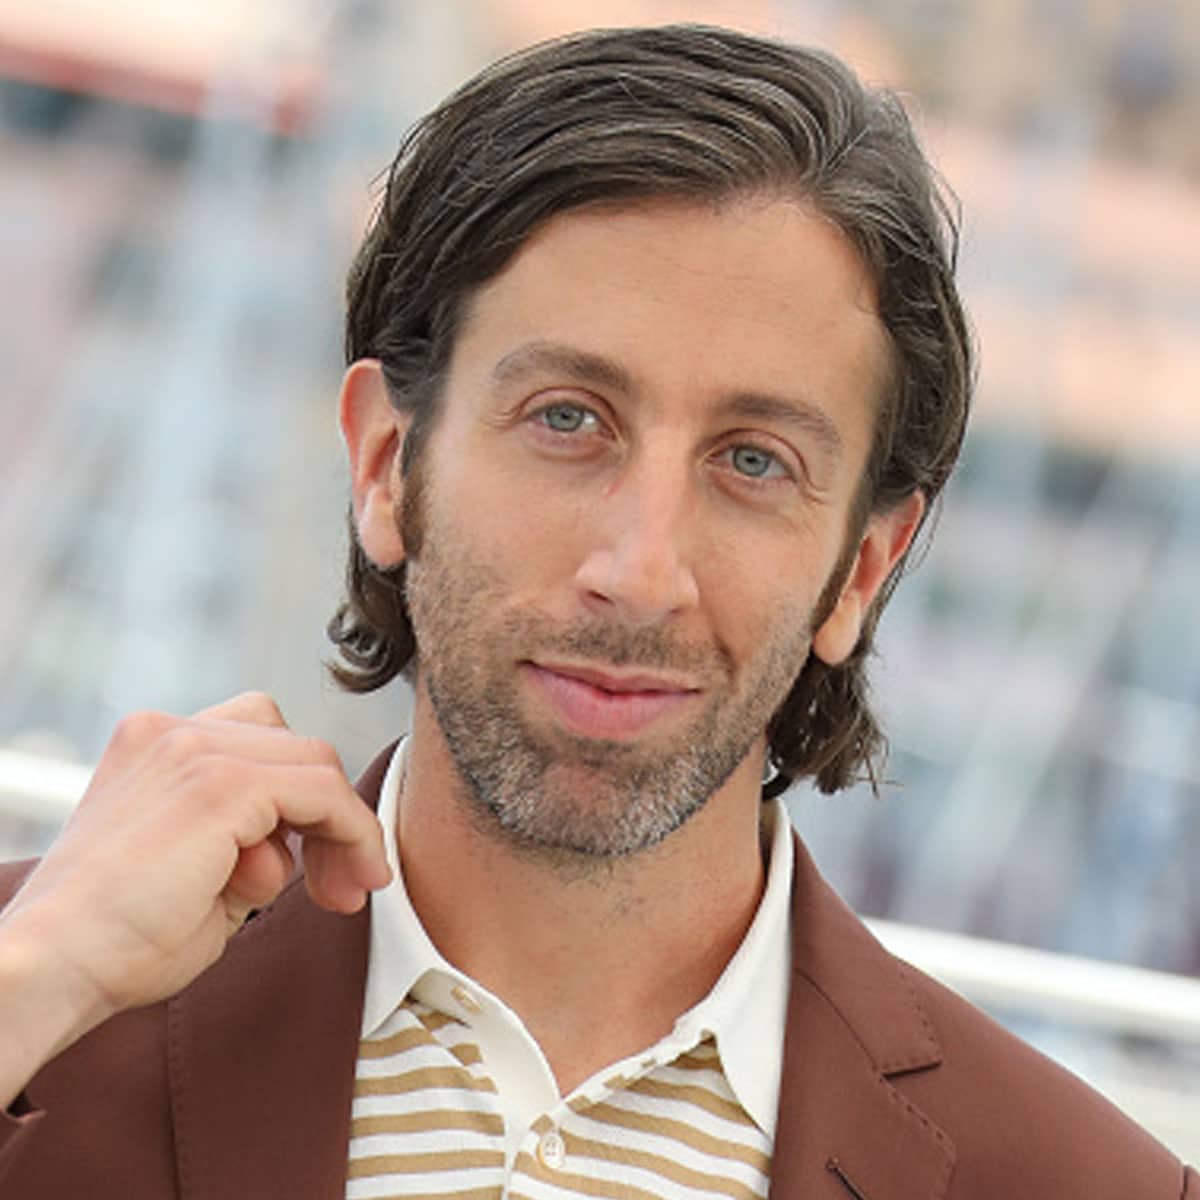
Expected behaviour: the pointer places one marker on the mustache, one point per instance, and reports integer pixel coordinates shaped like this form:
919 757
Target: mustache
619 645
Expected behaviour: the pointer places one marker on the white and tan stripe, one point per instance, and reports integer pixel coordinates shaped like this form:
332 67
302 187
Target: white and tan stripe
676 1132
427 1121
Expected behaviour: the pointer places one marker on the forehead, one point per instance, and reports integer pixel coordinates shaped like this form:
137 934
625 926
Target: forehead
758 295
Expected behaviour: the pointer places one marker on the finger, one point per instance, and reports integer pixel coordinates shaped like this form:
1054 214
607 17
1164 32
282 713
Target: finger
338 878
315 801
142 733
262 871
189 740
254 708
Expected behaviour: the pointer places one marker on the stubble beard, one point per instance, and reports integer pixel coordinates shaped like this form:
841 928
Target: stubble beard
567 799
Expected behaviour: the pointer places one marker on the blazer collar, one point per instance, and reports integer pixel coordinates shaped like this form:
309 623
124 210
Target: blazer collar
854 1025
261 1057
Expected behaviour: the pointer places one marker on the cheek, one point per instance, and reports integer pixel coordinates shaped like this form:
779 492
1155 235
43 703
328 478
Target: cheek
770 572
763 602
526 533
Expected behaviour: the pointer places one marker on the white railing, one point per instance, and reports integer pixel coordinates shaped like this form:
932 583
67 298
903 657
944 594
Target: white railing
1000 975
1061 987
39 789
997 974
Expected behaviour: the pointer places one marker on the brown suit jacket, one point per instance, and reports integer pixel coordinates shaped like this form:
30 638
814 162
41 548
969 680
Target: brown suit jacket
239 1087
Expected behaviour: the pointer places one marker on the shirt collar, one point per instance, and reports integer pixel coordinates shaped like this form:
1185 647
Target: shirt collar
401 951
746 1011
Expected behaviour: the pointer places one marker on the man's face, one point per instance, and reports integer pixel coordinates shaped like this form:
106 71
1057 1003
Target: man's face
654 422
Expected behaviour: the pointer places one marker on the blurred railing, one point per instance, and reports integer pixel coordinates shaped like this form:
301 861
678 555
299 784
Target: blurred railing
1124 1000
1059 987
34 788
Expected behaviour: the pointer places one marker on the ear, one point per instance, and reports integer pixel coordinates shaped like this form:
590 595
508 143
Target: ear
885 539
374 433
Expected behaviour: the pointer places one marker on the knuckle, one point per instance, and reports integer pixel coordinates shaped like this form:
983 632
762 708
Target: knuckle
333 780
137 730
263 706
184 742
323 753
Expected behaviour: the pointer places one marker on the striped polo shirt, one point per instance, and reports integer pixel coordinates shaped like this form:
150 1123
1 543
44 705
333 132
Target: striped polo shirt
453 1097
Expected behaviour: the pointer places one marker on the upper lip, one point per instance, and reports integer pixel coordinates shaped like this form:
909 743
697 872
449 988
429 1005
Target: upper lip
618 681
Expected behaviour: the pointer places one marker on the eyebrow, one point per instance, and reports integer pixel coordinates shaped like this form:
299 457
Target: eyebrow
795 413
586 366
581 365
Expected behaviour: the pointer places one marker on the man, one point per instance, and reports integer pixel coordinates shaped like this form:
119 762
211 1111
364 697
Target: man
656 367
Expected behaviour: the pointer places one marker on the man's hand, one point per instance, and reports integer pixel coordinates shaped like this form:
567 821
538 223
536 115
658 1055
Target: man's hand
179 835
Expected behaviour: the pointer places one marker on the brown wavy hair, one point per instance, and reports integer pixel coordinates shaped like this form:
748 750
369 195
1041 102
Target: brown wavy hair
699 114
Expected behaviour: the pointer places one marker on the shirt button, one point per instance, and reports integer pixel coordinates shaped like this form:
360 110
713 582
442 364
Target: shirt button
551 1150
465 999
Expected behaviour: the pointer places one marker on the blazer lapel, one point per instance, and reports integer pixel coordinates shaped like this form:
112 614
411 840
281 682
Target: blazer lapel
854 1023
262 1051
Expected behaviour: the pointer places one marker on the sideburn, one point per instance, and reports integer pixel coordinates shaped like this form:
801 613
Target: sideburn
409 513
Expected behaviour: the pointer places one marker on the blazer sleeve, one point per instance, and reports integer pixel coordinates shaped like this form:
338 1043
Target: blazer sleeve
18 1125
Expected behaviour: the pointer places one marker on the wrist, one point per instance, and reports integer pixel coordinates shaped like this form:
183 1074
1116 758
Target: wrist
45 1004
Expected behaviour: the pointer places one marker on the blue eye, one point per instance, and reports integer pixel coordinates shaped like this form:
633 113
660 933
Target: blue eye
752 462
564 418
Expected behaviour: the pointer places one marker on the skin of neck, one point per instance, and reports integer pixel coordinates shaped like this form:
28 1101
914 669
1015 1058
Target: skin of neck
597 958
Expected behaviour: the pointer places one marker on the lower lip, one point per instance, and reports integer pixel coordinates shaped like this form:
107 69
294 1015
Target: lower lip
593 712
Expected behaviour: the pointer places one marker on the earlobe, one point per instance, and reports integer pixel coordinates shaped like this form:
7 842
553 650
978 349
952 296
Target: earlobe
374 432
886 538
834 641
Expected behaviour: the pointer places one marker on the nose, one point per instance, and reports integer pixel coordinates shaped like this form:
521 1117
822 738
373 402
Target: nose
640 564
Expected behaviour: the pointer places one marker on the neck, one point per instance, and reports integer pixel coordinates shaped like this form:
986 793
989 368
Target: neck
598 958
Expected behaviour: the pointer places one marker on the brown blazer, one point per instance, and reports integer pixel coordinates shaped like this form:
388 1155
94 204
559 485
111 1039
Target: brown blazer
239 1087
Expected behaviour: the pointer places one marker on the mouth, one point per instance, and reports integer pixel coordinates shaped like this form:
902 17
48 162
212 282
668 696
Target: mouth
603 703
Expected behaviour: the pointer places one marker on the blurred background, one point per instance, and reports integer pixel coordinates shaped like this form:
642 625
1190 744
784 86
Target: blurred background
181 188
